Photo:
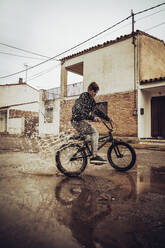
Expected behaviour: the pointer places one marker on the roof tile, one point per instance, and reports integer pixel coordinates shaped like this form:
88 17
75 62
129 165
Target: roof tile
107 43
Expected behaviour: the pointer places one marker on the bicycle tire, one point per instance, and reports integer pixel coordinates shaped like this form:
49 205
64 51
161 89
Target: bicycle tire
127 159
64 163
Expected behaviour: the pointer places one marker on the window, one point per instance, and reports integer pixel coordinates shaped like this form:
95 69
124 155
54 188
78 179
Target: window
103 106
49 115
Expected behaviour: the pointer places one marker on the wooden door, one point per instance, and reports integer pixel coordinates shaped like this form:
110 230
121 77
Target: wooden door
158 116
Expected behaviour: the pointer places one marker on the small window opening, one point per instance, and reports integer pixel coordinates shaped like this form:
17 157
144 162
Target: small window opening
49 115
103 106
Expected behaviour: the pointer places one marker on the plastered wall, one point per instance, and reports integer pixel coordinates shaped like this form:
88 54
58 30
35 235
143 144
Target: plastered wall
151 58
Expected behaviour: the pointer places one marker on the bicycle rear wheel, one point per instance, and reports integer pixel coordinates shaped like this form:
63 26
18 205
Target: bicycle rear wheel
121 156
71 160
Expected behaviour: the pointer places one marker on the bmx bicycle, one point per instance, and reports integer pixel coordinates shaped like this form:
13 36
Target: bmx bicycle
72 158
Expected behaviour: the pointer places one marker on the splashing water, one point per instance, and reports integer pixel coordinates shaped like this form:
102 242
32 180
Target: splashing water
45 148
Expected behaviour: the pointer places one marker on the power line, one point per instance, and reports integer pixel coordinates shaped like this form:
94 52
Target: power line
43 72
32 67
144 17
21 56
162 23
26 51
140 12
136 21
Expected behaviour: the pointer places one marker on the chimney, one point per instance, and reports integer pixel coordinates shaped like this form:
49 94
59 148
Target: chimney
20 81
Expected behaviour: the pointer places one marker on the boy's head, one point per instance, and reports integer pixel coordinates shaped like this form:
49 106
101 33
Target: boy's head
93 88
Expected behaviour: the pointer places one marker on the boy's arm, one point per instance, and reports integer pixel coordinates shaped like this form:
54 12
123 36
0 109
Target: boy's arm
101 114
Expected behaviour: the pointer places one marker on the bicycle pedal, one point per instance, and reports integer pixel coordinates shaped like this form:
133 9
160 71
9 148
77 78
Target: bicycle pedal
95 163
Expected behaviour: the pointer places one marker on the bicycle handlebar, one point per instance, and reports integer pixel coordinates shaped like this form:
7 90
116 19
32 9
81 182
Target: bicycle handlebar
110 122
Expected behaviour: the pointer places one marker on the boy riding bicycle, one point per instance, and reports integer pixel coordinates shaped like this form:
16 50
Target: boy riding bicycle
82 112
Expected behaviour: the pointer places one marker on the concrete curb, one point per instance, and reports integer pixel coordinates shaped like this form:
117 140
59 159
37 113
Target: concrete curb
149 146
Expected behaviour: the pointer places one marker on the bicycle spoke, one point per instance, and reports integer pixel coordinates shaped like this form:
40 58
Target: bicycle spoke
121 156
65 158
71 160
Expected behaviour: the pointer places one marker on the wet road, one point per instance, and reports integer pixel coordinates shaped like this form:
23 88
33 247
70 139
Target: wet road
103 208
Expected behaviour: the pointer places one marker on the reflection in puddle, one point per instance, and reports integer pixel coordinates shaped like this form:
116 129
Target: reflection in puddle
90 203
106 212
151 179
89 211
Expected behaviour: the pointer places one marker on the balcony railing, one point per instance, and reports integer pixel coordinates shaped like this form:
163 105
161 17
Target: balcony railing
72 90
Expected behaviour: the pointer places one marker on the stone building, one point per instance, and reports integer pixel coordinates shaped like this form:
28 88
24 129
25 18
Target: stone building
130 71
50 107
19 108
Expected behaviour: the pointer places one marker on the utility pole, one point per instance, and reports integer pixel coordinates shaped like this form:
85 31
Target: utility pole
133 28
134 44
26 66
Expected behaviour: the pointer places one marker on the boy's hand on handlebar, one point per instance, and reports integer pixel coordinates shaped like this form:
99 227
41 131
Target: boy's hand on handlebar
109 119
97 119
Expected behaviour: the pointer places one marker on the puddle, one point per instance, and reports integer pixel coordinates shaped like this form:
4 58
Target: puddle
101 208
151 179
109 212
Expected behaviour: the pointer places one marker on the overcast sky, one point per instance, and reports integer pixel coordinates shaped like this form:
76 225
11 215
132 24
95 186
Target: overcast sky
50 27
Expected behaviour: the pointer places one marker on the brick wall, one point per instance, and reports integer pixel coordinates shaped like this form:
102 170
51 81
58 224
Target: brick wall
65 115
31 120
15 113
120 109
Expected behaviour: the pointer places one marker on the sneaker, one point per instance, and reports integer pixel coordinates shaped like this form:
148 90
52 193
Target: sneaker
97 160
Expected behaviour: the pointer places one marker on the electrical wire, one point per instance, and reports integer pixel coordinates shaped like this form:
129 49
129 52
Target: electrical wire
21 56
20 49
45 61
17 55
32 67
130 23
140 12
43 72
162 23
149 15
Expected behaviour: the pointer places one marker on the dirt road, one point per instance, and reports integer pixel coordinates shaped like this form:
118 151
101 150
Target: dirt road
41 208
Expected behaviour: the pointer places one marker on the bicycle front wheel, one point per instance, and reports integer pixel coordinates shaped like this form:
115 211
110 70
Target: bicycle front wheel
71 160
121 156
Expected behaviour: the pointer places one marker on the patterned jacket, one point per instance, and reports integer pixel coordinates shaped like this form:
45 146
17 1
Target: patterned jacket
84 107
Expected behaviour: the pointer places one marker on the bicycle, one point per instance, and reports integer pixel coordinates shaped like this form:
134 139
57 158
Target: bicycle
72 158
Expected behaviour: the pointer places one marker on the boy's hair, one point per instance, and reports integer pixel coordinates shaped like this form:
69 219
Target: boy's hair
93 86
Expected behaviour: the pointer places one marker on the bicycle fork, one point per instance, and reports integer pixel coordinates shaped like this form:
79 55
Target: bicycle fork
117 151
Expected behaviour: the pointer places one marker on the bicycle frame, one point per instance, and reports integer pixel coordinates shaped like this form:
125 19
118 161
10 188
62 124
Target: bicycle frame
105 139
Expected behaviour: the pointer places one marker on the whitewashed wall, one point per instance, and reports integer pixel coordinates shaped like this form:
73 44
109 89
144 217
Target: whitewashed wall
17 94
34 107
112 67
49 128
16 125
18 97
145 94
